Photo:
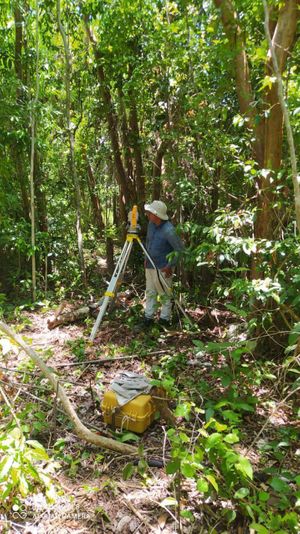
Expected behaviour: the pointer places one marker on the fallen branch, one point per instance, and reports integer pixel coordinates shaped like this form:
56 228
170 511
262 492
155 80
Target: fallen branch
69 317
105 360
81 430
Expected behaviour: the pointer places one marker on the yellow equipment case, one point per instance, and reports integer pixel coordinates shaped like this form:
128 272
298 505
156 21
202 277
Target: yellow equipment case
136 415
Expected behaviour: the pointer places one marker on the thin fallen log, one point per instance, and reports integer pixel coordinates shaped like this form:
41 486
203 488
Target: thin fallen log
105 360
81 430
69 317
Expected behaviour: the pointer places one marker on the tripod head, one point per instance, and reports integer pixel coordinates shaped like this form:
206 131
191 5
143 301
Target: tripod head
133 217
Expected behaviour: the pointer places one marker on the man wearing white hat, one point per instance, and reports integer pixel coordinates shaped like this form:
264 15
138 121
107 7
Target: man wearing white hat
161 241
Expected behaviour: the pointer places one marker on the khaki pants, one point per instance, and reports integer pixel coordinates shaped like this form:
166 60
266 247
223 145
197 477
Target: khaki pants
154 289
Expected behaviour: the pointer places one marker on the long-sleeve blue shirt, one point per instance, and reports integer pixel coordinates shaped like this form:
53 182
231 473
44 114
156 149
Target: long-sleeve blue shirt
161 240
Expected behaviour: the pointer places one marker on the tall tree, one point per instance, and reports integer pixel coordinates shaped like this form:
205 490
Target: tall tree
265 120
70 129
18 146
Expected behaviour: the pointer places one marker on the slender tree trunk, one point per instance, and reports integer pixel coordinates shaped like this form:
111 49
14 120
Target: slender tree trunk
44 263
17 148
136 144
70 129
284 110
125 137
95 201
32 154
157 170
128 193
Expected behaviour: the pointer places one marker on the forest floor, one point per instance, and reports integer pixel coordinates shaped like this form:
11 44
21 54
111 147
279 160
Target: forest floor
104 491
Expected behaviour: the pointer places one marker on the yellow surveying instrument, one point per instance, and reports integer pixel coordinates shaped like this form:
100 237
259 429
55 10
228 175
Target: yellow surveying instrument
116 279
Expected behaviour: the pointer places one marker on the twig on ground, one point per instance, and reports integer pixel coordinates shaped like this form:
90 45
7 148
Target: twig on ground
139 515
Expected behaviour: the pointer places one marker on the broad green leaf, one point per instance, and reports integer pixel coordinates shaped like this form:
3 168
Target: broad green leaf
279 485
231 438
260 529
129 436
128 471
213 440
184 438
23 485
5 467
245 467
220 427
218 347
173 466
187 514
188 470
183 410
213 482
202 485
241 493
263 496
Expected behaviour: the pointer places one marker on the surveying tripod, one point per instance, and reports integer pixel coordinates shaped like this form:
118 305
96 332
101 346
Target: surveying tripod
116 279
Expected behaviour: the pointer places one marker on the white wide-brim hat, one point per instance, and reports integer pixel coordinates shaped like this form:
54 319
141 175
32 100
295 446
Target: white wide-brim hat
158 208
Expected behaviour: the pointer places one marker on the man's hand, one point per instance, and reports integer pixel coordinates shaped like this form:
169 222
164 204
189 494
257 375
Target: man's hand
167 270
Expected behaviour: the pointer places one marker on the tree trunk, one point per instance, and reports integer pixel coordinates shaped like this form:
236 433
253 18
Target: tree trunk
136 144
125 137
268 131
17 148
157 170
70 129
95 201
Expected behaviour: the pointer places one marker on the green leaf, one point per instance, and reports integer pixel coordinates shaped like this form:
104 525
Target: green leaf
128 471
213 482
184 438
260 529
183 410
218 347
199 344
5 467
263 496
213 440
23 485
188 470
245 467
294 334
241 493
187 514
279 485
220 427
128 436
231 438
173 466
202 485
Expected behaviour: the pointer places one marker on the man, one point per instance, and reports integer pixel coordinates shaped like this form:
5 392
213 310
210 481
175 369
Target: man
161 241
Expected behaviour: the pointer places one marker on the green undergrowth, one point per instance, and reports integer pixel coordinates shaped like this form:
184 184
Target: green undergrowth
218 443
